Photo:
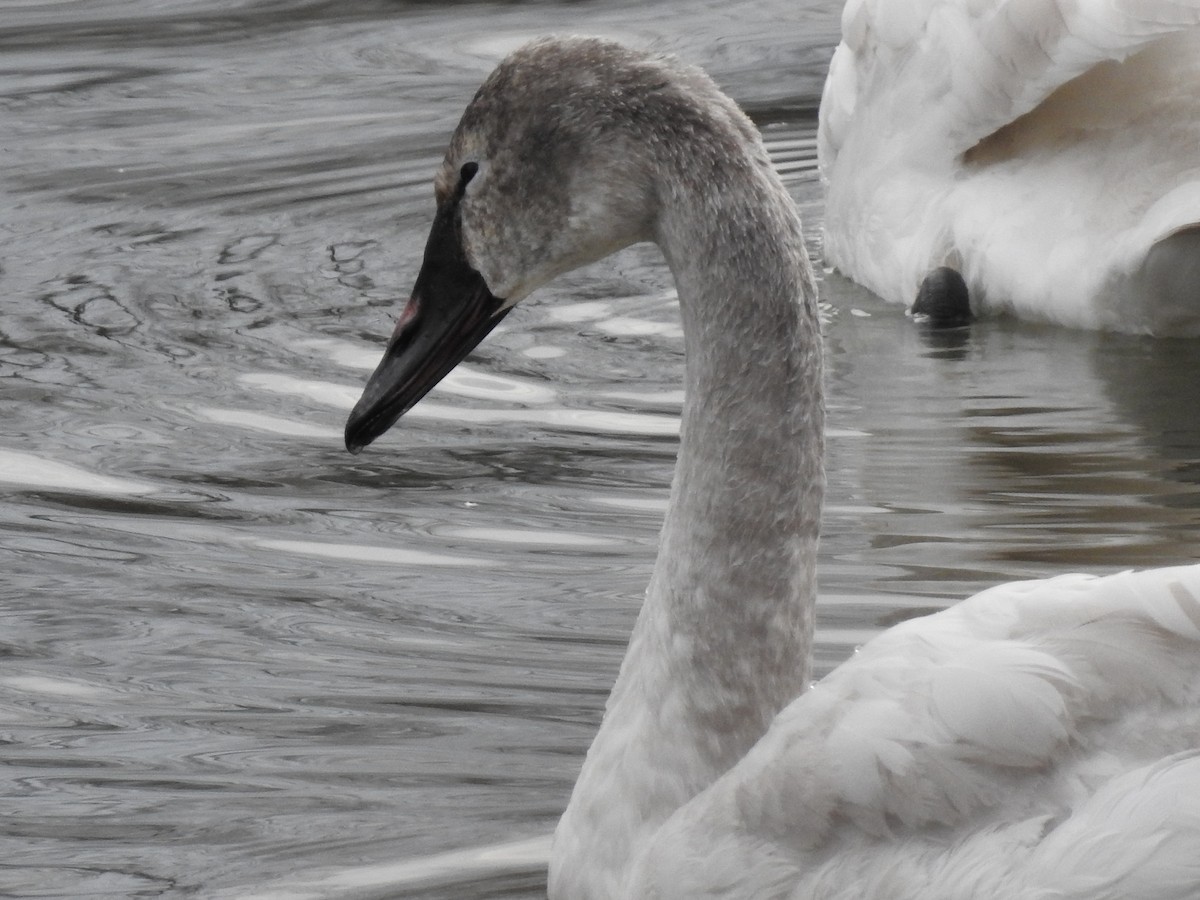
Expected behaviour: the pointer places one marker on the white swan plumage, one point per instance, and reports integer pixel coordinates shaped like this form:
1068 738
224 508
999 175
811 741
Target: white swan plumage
1039 740
1050 151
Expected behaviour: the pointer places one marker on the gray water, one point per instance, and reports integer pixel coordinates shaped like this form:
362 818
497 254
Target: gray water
236 661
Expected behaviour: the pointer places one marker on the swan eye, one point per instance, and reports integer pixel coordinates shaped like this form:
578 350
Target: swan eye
467 172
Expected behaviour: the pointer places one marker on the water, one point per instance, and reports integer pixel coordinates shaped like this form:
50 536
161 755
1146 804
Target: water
236 661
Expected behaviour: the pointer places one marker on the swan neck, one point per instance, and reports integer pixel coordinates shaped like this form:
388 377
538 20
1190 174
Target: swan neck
736 566
723 639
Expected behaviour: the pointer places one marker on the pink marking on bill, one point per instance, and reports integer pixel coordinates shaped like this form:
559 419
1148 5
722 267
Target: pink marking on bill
411 310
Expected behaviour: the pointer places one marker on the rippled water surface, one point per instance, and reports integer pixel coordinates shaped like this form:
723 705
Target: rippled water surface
236 661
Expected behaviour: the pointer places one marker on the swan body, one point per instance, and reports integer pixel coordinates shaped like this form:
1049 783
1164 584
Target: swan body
1039 740
1049 151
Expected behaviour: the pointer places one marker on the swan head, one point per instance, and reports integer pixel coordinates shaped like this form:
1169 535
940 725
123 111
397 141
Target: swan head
943 300
552 167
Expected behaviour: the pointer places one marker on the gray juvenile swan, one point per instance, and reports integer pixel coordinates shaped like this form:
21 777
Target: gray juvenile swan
1038 740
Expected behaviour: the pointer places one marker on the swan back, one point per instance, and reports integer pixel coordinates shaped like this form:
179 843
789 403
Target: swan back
1041 739
1042 149
978 67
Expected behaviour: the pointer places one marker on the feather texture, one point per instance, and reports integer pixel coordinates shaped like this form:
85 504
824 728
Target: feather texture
1048 150
965 753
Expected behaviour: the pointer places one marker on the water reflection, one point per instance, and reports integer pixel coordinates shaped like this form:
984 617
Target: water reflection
30 471
1013 453
1145 381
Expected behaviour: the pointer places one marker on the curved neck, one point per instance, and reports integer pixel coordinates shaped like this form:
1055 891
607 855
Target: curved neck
735 573
724 636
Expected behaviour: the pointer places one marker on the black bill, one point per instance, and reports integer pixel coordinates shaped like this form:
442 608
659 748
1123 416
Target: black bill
450 312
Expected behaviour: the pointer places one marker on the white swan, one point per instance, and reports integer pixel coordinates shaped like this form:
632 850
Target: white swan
1050 151
1038 740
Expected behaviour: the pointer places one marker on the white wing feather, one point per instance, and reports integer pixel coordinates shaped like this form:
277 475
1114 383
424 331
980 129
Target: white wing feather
1014 742
1003 138
975 66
